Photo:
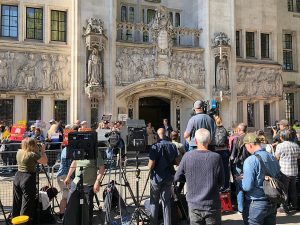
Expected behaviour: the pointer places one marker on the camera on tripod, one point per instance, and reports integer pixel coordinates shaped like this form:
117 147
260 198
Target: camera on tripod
82 145
136 135
114 139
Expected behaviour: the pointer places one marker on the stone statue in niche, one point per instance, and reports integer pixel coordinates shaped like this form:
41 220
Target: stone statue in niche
222 74
94 68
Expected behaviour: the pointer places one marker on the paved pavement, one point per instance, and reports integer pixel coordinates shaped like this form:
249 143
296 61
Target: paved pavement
236 219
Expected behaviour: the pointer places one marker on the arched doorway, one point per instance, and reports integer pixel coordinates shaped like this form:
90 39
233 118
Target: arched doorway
154 109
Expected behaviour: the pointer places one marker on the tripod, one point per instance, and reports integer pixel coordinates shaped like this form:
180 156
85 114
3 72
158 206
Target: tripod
38 189
3 212
138 214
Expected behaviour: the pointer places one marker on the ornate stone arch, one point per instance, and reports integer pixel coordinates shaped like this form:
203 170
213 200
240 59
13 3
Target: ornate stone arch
158 85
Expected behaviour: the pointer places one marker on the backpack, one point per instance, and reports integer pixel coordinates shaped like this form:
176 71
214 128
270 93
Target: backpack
220 137
274 188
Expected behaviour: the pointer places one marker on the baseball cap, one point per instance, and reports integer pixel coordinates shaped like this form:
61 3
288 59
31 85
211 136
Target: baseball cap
83 122
284 122
51 121
250 138
198 104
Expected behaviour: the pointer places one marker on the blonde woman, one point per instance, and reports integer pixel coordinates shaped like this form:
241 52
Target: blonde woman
52 132
24 186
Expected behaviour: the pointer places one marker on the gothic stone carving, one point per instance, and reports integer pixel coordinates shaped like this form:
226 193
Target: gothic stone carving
162 33
222 75
135 64
95 76
93 33
162 30
188 67
220 39
221 51
34 72
259 82
95 42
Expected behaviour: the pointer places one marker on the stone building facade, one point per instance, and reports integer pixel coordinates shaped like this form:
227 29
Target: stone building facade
149 59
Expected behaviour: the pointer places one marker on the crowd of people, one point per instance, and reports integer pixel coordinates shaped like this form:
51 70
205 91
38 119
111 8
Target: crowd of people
209 161
212 157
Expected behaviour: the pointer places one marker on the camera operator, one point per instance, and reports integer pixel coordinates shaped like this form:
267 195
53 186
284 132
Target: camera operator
90 184
283 126
163 155
24 186
199 120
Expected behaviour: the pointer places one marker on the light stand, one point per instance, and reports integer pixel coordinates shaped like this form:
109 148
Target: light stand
80 188
138 212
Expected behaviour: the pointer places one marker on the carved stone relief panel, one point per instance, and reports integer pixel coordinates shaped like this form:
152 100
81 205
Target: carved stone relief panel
259 81
23 71
188 67
135 64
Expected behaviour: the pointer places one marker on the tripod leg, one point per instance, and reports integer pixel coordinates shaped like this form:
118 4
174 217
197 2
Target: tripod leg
50 184
2 209
97 201
145 186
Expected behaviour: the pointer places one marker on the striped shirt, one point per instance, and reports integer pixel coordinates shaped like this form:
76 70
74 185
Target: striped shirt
288 152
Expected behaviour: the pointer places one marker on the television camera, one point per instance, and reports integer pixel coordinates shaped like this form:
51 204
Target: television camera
82 145
210 107
136 135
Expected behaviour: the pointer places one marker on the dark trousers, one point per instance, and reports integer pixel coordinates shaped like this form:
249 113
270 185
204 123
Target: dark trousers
292 193
24 194
163 192
204 217
89 196
225 160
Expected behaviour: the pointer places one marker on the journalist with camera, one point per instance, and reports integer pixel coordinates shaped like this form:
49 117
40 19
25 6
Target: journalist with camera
85 169
199 120
24 186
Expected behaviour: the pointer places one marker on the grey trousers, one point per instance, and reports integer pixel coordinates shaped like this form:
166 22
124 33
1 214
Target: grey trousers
204 217
163 192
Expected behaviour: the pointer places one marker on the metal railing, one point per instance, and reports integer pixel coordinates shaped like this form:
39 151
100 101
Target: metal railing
7 173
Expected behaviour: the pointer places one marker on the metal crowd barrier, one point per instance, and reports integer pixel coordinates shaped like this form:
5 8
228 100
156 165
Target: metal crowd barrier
7 172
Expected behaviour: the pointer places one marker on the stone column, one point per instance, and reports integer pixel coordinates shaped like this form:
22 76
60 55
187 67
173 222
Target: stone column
47 103
110 56
277 110
75 74
243 45
297 106
258 48
274 108
259 114
245 115
19 108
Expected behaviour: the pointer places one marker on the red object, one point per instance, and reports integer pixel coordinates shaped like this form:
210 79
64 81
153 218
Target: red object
17 132
226 205
66 138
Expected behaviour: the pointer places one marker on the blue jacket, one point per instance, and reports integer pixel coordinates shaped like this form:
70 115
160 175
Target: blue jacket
252 182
